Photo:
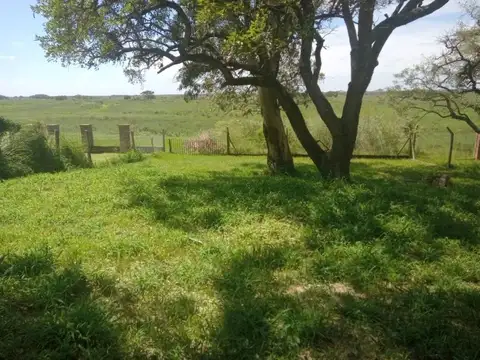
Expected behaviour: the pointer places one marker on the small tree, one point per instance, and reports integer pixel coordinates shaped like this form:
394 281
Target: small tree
148 94
447 85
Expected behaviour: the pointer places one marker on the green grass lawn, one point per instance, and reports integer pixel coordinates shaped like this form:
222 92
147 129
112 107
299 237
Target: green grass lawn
208 258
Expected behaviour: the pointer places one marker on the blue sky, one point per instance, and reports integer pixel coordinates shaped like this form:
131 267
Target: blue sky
25 71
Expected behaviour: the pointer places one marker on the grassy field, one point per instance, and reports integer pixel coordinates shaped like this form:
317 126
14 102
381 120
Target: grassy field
207 258
380 131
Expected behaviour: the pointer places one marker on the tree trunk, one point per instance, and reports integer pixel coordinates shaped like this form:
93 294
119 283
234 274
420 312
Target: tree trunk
334 164
279 156
340 155
295 116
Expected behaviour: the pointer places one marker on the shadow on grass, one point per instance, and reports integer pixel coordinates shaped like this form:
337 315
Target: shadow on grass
263 319
356 212
393 244
48 313
260 320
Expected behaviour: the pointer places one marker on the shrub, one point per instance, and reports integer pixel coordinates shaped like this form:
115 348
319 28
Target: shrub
61 97
131 156
72 155
26 152
8 126
127 97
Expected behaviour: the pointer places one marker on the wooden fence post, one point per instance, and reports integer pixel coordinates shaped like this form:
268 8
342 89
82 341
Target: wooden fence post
477 147
164 134
450 151
228 141
169 145
153 147
87 134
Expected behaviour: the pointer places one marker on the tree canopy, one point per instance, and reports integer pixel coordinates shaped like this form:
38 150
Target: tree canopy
259 43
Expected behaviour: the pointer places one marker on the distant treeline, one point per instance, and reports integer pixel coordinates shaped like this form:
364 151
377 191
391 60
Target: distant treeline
79 97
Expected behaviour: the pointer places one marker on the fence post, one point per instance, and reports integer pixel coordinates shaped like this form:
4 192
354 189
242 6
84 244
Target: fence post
124 132
228 141
450 151
87 135
54 129
169 145
153 147
132 134
477 147
89 147
164 134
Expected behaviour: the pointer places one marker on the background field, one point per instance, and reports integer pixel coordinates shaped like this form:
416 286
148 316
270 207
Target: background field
381 130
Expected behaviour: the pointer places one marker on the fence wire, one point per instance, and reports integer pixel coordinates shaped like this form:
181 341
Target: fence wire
199 146
432 143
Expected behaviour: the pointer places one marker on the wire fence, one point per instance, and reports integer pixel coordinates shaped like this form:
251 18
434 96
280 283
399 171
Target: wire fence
432 143
197 146
437 143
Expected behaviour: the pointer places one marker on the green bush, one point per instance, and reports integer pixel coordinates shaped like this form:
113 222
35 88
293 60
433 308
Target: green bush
72 155
8 126
131 156
26 150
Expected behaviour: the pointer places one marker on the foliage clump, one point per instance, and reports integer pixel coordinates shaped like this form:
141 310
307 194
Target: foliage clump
26 150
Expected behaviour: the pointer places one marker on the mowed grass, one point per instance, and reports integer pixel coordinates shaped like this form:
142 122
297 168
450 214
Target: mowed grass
208 258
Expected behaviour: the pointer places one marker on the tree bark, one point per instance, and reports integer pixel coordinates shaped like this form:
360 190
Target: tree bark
295 116
340 156
279 156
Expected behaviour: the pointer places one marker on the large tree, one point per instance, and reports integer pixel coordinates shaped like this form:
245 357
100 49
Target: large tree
209 38
261 38
448 84
240 40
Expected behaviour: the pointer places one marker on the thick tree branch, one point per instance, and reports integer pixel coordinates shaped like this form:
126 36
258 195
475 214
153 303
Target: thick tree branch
348 19
411 12
318 56
323 106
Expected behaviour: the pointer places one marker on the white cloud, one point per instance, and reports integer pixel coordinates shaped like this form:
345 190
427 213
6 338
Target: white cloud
7 57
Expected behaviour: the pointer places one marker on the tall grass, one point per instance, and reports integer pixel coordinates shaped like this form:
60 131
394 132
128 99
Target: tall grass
376 136
26 150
